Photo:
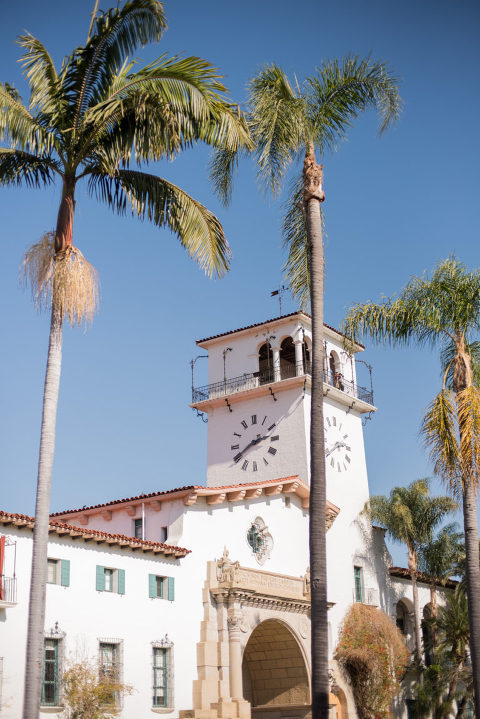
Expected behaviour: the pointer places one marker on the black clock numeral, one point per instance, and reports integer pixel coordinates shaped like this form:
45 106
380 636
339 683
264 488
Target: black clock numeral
254 467
264 419
272 450
348 448
237 457
245 465
338 467
345 466
265 461
275 438
235 446
271 427
254 419
244 424
334 420
328 421
332 462
348 459
236 434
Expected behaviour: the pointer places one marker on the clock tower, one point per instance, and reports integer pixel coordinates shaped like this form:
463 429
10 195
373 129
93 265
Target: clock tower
258 406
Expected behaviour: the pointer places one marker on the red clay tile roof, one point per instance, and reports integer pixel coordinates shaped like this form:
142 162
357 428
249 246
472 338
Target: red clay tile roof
137 498
22 520
190 494
274 319
404 573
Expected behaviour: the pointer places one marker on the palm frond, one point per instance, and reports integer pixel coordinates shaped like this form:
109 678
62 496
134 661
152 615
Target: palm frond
295 242
440 557
277 121
18 126
117 34
169 105
166 205
17 167
468 407
440 435
341 90
46 92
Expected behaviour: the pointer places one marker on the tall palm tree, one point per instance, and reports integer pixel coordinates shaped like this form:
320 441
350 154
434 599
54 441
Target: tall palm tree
90 120
443 311
287 123
410 515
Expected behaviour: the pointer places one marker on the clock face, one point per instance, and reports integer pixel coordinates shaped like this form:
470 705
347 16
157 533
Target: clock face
337 445
254 442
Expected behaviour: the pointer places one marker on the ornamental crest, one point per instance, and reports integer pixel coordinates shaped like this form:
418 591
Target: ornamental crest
260 540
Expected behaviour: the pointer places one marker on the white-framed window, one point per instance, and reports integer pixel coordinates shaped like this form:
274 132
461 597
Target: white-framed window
110 666
160 587
58 571
138 528
110 579
358 583
162 673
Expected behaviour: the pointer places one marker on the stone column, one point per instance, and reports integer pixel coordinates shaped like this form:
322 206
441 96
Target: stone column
234 620
299 357
276 364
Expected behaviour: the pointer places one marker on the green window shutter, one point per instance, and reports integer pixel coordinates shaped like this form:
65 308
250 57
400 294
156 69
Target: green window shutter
152 586
65 573
100 579
121 581
171 588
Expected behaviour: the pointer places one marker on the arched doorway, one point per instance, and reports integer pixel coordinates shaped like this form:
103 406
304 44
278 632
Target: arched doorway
265 363
287 359
274 672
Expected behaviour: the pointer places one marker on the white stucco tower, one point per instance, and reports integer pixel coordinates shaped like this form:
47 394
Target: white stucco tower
258 406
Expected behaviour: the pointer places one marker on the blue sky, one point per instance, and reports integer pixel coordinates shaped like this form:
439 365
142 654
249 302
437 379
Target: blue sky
395 206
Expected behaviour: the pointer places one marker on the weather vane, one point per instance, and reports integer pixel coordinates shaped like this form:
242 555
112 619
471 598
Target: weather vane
281 291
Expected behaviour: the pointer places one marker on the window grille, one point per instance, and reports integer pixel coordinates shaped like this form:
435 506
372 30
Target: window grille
50 673
160 677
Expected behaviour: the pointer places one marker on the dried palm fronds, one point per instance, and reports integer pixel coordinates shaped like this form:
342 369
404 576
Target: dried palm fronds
64 281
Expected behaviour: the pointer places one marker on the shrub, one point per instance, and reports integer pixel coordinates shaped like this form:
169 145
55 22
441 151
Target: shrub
374 655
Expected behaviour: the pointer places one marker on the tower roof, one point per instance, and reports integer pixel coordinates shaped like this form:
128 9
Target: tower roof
299 313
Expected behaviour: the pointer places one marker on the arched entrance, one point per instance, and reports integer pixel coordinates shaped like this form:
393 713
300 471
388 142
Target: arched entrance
274 673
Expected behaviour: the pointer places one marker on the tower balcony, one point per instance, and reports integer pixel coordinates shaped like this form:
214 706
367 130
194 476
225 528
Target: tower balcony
282 378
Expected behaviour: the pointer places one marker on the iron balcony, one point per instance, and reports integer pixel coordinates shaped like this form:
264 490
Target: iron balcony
251 380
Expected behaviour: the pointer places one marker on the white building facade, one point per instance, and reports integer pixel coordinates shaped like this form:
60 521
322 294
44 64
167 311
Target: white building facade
199 596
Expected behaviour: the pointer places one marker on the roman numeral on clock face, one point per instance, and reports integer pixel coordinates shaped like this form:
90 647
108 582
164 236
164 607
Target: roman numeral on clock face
272 450
237 457
235 446
254 419
244 424
245 465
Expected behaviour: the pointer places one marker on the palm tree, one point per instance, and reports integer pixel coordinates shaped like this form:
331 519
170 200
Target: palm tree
439 558
410 516
443 311
287 123
89 120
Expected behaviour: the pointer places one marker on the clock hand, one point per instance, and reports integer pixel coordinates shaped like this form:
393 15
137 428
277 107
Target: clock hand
335 446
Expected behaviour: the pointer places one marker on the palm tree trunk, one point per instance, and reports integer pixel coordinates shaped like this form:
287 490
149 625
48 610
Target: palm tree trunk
36 611
463 378
412 565
318 554
473 583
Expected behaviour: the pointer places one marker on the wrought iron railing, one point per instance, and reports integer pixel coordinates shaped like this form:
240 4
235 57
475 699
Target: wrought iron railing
8 589
251 380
